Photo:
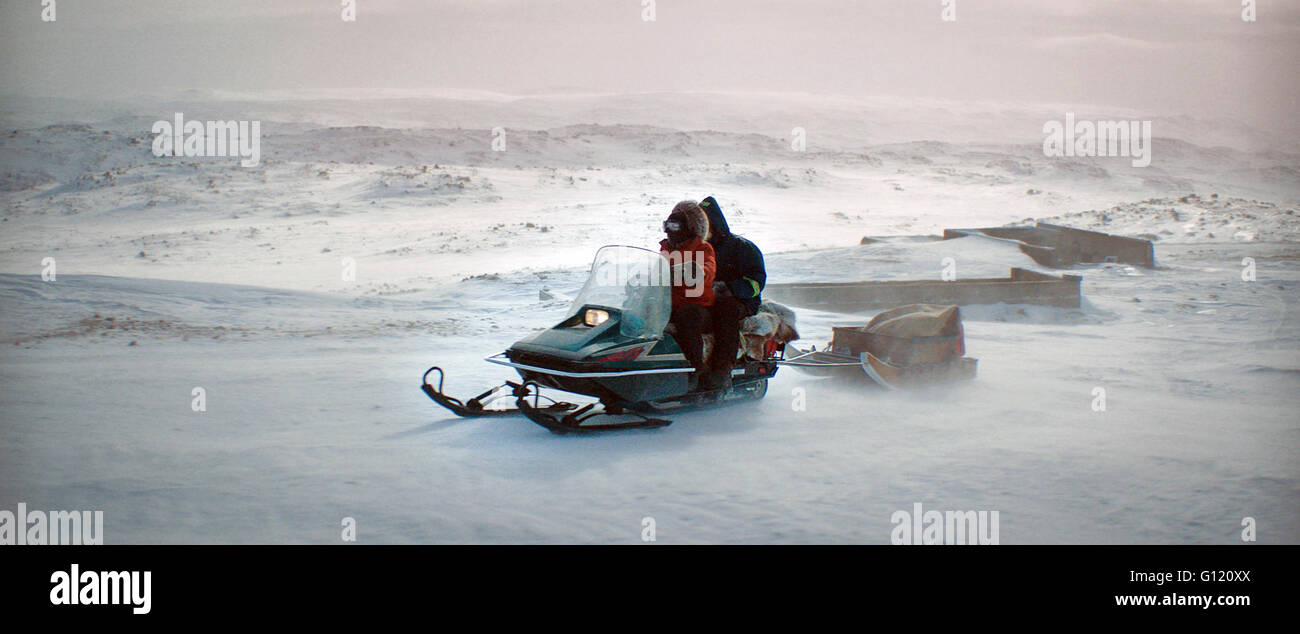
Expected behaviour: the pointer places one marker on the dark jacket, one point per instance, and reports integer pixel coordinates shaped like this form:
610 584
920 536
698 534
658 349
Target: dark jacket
740 263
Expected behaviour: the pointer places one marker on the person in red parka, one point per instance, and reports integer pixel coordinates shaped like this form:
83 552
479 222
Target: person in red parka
693 266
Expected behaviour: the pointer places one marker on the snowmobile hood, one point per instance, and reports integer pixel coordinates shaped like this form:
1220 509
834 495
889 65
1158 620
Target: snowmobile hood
717 222
571 346
572 341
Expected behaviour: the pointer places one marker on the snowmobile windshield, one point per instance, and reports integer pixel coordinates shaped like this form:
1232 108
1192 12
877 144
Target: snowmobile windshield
633 281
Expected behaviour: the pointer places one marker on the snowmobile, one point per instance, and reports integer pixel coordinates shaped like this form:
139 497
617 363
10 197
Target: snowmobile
615 345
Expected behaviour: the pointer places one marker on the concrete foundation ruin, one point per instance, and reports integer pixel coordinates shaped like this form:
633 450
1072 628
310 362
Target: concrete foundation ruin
1057 246
1022 286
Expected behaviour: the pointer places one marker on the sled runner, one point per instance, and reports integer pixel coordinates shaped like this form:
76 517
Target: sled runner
895 377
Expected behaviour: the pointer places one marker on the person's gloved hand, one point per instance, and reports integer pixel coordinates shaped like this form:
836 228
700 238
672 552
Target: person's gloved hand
720 289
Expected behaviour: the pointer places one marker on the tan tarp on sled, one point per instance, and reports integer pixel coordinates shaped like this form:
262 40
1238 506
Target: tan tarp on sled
914 334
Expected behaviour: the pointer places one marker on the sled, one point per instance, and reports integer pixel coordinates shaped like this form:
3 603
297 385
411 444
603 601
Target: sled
907 346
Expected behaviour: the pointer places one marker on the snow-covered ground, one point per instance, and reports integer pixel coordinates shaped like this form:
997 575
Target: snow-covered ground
174 273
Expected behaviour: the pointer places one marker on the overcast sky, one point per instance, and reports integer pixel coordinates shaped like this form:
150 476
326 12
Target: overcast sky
1165 56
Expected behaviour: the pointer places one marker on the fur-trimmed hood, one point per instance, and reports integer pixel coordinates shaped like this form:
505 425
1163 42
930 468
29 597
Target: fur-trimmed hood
696 219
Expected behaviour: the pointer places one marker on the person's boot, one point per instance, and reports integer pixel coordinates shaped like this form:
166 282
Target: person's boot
723 380
715 379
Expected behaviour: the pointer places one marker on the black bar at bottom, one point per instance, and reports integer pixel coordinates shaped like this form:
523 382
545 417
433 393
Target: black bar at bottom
190 581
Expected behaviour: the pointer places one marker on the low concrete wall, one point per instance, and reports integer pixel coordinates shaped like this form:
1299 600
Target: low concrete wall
1020 287
1058 246
1080 245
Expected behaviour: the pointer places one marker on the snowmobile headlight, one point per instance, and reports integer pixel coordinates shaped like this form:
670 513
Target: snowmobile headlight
595 316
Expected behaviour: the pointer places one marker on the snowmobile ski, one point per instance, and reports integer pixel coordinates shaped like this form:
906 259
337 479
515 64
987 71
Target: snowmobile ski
575 421
477 407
